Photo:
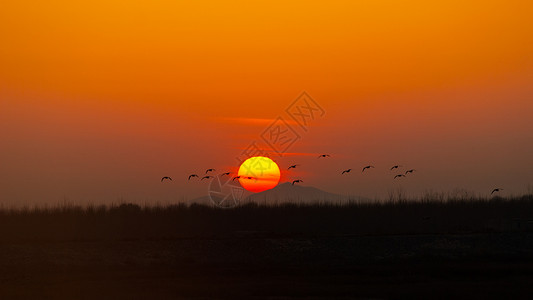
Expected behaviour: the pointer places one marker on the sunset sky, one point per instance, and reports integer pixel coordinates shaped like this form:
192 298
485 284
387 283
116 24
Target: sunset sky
99 100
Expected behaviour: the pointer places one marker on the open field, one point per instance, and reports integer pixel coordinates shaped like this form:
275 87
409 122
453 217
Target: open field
130 221
466 249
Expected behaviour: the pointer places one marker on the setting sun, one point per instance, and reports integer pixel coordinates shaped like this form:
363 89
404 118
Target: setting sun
258 174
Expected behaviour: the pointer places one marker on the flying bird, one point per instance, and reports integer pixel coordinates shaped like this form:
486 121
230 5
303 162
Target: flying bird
227 173
206 177
192 175
209 170
496 190
395 167
399 175
292 167
367 167
236 177
324 155
166 177
346 171
409 171
296 181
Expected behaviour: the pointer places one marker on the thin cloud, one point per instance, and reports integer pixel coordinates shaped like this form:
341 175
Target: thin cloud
300 154
254 121
273 153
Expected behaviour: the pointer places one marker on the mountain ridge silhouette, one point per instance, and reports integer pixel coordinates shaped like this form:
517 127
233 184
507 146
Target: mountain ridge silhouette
286 192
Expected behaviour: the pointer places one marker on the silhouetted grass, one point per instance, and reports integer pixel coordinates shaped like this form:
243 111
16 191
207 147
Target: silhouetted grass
130 221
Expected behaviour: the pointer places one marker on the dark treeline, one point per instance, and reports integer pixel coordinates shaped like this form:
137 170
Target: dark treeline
130 221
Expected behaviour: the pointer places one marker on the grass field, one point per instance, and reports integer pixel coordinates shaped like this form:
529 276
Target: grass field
469 248
130 221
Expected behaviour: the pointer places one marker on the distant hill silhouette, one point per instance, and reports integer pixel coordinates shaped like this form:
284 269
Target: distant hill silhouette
286 192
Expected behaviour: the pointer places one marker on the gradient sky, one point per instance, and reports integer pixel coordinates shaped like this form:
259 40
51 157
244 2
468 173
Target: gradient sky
99 100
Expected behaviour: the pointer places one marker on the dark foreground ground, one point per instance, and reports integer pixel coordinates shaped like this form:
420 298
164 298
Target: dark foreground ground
250 265
469 249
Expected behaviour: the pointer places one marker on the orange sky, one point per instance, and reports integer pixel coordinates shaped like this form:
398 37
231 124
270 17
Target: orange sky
99 100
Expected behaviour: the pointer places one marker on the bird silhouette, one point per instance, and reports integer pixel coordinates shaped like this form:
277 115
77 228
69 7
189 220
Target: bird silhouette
209 170
367 167
236 177
409 171
192 175
292 167
399 175
227 173
166 177
324 155
346 171
395 167
206 177
496 190
296 181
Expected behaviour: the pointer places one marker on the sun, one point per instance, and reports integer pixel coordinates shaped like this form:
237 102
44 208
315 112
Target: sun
258 174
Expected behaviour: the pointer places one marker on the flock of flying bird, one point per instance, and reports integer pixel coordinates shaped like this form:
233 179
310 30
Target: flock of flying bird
208 176
392 168
410 171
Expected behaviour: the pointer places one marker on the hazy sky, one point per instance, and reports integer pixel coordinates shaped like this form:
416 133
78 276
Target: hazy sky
98 101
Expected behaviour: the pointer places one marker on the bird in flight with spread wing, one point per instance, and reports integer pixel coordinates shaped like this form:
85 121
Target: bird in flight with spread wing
496 190
367 167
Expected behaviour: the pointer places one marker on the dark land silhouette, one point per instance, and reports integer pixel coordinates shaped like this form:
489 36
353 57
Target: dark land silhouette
462 248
